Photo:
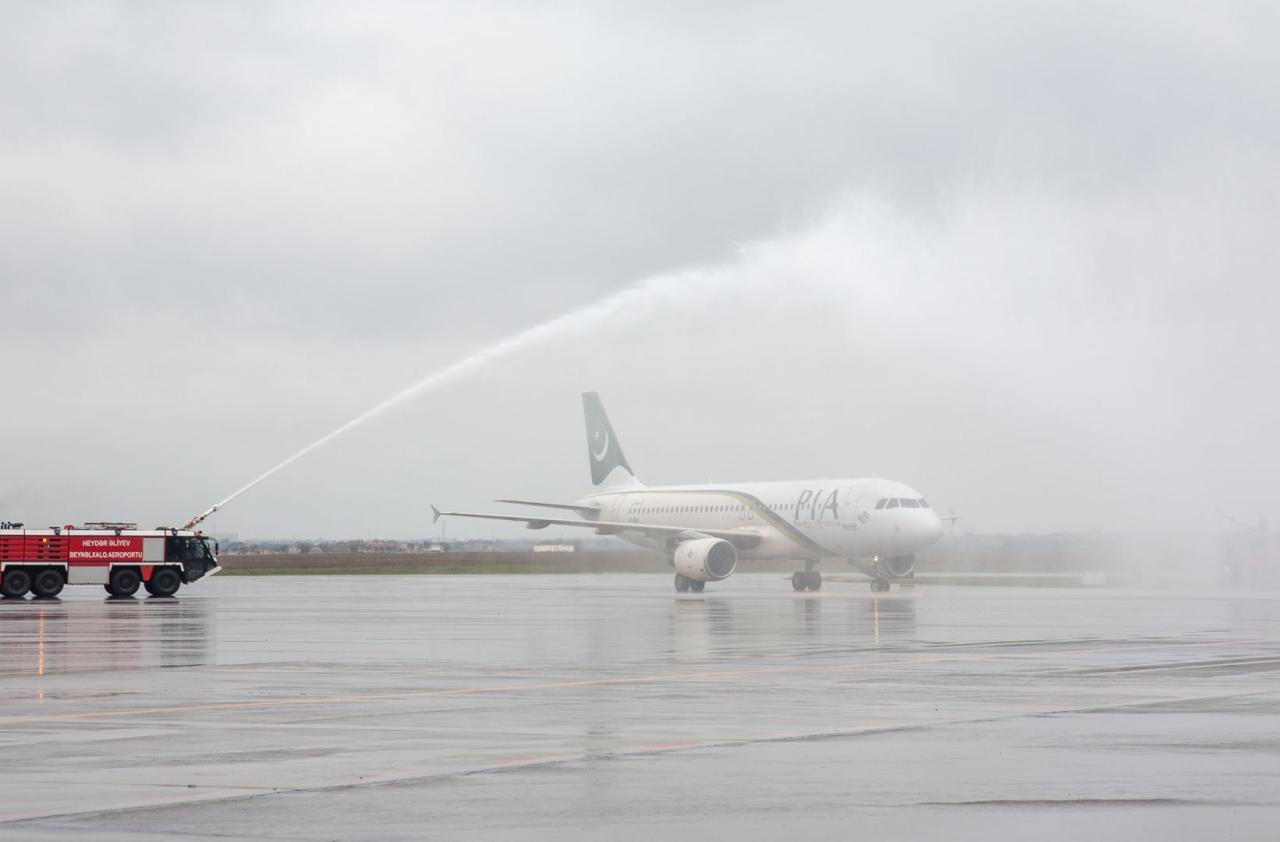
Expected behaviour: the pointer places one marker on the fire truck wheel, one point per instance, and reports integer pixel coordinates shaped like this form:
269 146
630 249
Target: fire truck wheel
165 581
16 583
124 581
47 583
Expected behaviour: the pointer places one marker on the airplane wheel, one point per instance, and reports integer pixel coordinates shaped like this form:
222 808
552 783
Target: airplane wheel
799 581
696 586
16 583
47 583
814 582
682 583
879 585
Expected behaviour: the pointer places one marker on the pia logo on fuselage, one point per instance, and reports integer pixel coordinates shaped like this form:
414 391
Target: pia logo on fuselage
812 505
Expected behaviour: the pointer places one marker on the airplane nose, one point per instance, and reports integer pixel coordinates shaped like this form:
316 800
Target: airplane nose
933 529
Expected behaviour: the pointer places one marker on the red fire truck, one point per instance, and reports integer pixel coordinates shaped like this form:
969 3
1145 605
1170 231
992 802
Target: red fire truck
118 556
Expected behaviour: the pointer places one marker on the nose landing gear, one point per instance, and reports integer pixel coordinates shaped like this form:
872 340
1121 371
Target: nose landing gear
879 585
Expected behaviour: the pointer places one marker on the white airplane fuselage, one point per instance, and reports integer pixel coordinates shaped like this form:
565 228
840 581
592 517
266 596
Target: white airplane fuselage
798 519
877 525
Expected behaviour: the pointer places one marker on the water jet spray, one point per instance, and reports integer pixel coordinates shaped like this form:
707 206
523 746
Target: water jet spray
575 319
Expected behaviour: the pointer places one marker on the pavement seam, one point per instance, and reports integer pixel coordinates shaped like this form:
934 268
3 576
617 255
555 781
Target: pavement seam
552 761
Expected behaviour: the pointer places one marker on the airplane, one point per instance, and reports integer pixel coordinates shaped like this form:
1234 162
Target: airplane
876 525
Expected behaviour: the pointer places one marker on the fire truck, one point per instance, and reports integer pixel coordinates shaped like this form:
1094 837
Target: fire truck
118 556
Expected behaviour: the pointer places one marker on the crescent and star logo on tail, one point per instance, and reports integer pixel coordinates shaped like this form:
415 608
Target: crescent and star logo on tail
599 444
602 443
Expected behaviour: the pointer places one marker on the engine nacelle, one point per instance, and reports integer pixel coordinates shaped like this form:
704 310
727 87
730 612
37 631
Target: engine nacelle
705 559
898 566
886 567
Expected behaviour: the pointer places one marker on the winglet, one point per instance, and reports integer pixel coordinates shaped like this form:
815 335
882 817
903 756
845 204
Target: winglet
435 513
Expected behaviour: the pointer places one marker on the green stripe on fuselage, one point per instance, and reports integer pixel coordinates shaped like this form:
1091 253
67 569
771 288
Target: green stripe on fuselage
778 523
759 508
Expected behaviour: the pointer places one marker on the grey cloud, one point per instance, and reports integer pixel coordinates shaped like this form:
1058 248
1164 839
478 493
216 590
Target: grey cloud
1038 231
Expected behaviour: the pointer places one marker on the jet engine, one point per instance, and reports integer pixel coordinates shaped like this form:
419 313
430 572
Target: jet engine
898 566
705 559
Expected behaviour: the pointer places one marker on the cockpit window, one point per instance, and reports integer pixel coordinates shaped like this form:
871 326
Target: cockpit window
880 504
892 504
924 504
910 502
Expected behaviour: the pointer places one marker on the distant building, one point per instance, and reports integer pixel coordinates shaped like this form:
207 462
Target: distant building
554 547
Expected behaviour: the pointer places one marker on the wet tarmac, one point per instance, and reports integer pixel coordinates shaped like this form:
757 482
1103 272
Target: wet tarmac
580 707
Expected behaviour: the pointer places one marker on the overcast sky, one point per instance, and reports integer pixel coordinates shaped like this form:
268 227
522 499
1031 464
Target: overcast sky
1020 256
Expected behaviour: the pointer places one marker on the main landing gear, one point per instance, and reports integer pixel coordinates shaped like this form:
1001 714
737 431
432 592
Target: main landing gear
684 584
879 585
806 580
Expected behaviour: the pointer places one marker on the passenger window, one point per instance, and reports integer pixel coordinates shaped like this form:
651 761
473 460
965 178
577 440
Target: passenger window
892 504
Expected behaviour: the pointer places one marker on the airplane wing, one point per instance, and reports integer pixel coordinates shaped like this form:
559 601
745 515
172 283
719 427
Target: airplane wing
569 507
740 538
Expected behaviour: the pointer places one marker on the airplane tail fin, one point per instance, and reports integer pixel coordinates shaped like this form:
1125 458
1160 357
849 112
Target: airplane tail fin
608 466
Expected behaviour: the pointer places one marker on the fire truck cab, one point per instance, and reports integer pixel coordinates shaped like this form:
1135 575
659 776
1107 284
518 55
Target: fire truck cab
118 556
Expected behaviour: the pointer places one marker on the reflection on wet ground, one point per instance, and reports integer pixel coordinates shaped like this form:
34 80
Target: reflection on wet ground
43 637
581 706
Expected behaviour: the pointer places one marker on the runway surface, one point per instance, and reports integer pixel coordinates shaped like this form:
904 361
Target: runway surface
579 707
